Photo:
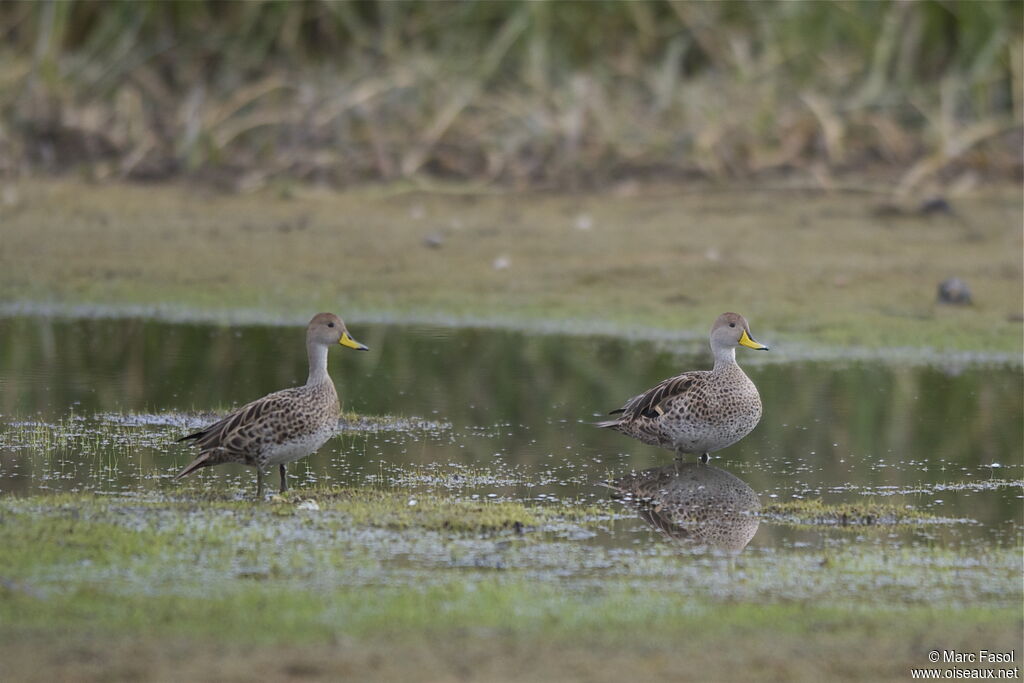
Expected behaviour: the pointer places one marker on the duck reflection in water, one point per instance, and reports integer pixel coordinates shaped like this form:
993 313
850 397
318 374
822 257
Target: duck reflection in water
693 503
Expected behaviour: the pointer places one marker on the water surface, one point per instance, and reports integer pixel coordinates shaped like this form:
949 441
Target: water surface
95 405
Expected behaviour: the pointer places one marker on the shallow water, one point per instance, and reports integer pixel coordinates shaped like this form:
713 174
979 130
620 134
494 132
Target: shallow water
94 405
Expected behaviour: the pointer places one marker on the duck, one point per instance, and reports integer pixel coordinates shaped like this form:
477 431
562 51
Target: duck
701 411
283 426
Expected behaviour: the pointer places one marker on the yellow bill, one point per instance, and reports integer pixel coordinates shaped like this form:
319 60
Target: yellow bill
347 340
745 340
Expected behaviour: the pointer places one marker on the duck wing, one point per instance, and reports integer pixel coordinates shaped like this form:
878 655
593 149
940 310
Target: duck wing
246 421
648 404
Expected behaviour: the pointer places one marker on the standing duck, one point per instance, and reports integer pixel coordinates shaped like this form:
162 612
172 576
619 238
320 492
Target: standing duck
284 426
701 411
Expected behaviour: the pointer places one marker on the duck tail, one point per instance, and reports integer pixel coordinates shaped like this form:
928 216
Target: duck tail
204 460
607 424
196 435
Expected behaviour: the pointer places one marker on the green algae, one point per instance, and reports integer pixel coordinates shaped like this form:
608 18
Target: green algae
396 509
869 513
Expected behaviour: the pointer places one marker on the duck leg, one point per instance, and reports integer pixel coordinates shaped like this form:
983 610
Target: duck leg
259 484
284 479
704 457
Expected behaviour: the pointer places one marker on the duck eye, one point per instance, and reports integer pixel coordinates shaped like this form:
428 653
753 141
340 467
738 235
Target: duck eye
732 324
330 324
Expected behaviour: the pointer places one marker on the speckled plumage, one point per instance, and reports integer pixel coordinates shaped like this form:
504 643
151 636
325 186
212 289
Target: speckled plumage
700 411
286 425
694 503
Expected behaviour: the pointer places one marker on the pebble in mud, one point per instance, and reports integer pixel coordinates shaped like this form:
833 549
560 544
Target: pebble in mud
954 291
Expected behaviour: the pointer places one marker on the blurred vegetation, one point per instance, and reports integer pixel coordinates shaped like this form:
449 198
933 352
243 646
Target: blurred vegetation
527 94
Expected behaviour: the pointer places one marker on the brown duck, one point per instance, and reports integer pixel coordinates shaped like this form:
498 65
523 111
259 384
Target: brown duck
286 425
700 411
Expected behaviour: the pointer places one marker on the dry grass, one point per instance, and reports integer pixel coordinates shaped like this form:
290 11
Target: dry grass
566 94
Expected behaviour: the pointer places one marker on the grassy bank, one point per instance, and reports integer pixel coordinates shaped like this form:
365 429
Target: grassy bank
809 271
454 635
94 588
523 94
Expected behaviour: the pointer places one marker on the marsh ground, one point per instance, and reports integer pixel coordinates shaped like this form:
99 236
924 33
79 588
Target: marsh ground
821 270
214 589
114 575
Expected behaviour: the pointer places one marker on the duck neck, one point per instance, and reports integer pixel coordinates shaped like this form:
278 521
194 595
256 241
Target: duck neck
725 358
317 354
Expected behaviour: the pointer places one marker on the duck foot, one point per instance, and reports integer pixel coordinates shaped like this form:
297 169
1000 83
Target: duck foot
284 479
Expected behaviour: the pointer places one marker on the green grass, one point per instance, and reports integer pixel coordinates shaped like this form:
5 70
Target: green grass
254 615
814 512
401 510
88 585
485 634
813 274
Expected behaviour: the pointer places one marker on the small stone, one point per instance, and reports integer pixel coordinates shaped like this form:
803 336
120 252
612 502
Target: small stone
934 206
954 291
